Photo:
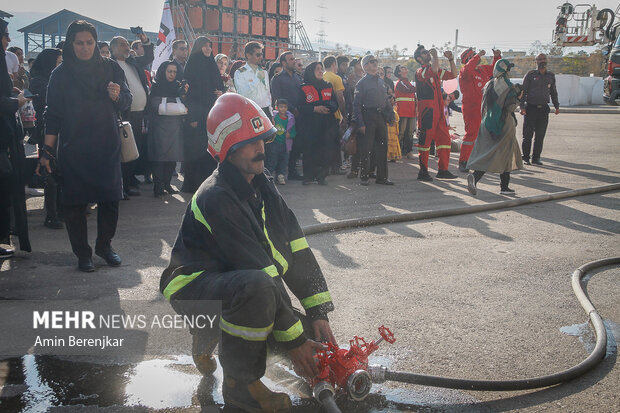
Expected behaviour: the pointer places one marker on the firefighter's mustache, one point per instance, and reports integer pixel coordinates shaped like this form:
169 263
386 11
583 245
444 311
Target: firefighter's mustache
259 157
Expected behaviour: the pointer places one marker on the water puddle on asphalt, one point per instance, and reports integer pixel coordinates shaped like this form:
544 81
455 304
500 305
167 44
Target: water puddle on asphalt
40 383
588 339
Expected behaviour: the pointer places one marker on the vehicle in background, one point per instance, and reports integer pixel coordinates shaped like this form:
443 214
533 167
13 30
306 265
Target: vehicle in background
585 25
611 85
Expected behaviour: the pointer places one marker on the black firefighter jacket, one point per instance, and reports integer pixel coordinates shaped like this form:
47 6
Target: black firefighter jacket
231 225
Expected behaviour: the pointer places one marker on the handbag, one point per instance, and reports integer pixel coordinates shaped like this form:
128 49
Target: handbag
129 149
350 144
172 109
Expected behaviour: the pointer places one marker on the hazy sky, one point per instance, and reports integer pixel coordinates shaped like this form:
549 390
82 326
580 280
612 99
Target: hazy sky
368 24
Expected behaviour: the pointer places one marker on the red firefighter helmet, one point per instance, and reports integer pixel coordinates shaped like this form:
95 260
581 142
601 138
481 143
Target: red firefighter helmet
235 121
466 55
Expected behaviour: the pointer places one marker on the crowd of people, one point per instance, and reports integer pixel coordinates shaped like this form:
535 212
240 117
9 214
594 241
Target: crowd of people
339 116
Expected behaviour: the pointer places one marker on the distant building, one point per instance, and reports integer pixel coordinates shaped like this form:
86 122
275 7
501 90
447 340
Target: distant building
49 31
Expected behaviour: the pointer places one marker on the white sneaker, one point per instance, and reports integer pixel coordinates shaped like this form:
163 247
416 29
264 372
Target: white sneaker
280 180
410 155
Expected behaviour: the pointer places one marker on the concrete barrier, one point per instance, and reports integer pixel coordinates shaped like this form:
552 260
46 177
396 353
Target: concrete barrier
573 90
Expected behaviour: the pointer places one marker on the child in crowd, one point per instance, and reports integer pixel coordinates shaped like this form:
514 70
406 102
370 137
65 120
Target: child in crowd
393 144
276 152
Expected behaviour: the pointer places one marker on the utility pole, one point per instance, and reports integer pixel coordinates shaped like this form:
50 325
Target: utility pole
455 49
321 34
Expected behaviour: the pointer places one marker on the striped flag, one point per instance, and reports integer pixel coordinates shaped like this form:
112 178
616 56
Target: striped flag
163 48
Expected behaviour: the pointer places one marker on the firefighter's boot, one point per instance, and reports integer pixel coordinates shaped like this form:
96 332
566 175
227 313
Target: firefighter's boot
202 353
254 397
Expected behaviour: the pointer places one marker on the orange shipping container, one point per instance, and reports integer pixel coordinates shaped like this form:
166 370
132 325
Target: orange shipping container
213 20
257 5
284 7
178 21
270 51
227 22
257 25
195 17
243 23
226 45
227 3
271 6
243 4
270 27
283 33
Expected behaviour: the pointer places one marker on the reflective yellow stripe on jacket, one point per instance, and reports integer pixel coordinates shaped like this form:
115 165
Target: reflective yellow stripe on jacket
198 214
291 334
179 282
317 299
246 333
276 254
299 244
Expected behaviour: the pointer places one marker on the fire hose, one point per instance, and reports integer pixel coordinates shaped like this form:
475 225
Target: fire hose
348 371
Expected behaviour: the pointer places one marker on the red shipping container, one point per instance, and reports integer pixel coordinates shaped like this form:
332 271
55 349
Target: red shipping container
284 8
213 2
283 26
257 5
213 20
243 4
257 25
270 27
243 23
271 6
195 17
227 3
227 22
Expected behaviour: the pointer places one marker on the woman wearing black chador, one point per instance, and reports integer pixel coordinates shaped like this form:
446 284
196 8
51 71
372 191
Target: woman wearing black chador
84 96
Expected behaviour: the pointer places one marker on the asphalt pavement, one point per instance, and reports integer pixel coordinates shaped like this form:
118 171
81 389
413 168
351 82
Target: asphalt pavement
484 296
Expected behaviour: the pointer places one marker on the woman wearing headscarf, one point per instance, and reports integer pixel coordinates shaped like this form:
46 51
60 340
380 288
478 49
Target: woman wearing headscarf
319 124
41 70
222 64
165 129
84 97
205 86
12 185
496 148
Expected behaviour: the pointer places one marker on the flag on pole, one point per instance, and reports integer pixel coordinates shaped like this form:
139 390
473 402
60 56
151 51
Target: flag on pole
163 48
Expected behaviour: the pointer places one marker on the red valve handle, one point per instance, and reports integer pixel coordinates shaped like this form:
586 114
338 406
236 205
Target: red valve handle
386 334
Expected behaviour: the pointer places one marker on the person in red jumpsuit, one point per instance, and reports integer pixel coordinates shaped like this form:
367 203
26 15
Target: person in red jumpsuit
432 123
472 78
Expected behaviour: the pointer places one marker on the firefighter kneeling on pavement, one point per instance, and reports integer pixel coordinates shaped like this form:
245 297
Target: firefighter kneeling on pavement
240 243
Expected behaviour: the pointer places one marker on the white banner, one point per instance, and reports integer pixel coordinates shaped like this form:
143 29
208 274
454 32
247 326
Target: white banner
163 48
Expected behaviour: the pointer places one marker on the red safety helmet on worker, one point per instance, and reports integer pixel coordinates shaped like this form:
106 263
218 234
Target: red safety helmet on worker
235 121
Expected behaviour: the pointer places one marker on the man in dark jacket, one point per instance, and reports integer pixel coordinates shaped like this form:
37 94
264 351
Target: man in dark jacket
138 85
538 87
371 111
287 85
239 243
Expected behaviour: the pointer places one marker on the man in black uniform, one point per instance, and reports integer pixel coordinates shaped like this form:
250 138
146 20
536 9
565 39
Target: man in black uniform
371 110
538 86
239 243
